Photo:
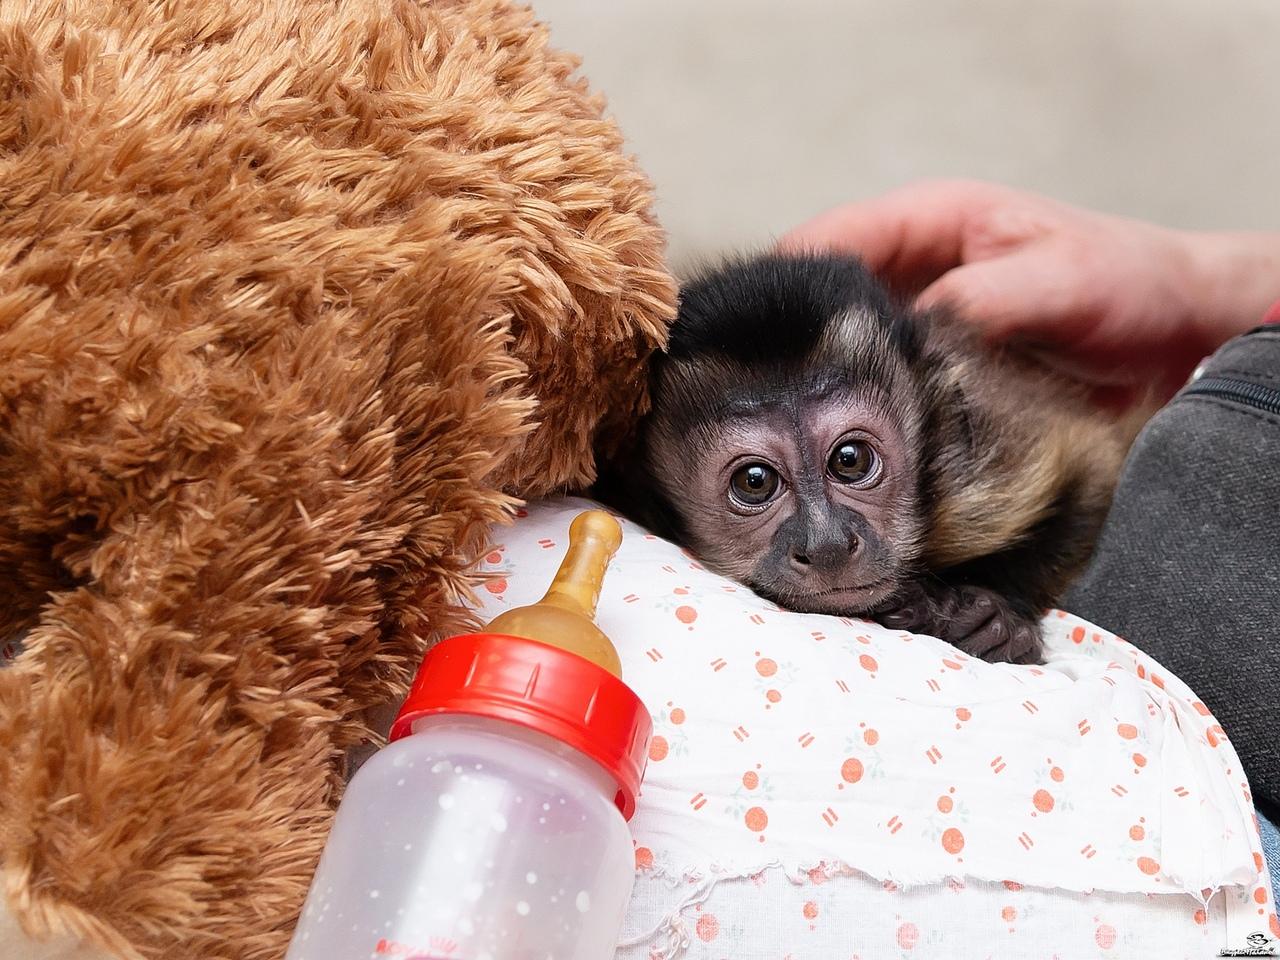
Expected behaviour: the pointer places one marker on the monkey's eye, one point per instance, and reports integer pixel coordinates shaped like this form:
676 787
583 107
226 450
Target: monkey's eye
853 461
754 484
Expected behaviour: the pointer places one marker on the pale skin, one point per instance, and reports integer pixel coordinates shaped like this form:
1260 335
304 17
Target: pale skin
1122 304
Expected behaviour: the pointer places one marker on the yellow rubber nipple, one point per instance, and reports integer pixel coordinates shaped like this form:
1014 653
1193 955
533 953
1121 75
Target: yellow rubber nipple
565 616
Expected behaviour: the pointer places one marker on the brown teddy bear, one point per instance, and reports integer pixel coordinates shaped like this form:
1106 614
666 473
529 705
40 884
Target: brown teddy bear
294 299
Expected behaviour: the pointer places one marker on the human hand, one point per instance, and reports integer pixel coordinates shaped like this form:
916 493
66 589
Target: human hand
1121 304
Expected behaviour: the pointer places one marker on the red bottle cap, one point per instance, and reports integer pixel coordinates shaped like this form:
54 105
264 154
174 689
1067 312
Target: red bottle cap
539 687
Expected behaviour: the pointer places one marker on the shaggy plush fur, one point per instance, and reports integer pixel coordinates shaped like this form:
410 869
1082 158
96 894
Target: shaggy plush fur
293 297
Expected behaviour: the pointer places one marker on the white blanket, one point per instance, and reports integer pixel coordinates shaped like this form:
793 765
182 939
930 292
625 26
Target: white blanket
837 762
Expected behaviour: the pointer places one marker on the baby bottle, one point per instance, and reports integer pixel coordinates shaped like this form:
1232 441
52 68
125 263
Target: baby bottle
493 825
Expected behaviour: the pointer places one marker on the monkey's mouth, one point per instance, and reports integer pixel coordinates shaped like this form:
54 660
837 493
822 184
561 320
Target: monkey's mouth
857 599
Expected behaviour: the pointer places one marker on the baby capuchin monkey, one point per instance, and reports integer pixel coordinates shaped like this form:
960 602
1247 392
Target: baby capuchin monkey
840 453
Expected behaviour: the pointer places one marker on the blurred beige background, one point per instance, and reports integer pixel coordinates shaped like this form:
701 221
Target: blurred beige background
751 115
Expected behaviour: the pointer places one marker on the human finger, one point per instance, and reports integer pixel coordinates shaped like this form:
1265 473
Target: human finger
909 236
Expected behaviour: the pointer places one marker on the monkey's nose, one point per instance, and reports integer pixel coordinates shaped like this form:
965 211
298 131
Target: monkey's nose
824 557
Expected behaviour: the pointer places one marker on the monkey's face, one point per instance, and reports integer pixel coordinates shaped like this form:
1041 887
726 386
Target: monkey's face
786 438
805 491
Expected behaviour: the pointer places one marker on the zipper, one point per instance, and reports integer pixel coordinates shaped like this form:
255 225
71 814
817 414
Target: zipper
1241 391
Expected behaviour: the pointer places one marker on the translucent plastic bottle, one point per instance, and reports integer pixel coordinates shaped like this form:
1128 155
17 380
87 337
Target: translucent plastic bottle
493 827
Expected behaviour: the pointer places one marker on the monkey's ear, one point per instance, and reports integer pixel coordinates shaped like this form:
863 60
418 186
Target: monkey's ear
944 347
965 419
909 332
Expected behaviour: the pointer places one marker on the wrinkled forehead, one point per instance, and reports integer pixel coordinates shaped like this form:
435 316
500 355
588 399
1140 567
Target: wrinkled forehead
775 396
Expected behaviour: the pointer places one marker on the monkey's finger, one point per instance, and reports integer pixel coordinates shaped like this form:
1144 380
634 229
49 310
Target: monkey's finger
1025 646
986 641
910 236
1003 639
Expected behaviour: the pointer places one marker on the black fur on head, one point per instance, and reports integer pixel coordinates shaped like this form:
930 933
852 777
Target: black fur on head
734 311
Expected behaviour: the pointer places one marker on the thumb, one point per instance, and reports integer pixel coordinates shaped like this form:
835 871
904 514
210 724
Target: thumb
1024 293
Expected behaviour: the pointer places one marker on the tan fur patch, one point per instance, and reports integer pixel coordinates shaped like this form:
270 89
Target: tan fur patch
984 517
1050 441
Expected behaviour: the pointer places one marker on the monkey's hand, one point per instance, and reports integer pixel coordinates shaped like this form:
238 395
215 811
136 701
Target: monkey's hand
973 619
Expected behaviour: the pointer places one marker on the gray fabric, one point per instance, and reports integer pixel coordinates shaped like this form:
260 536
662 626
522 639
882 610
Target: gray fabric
1188 565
